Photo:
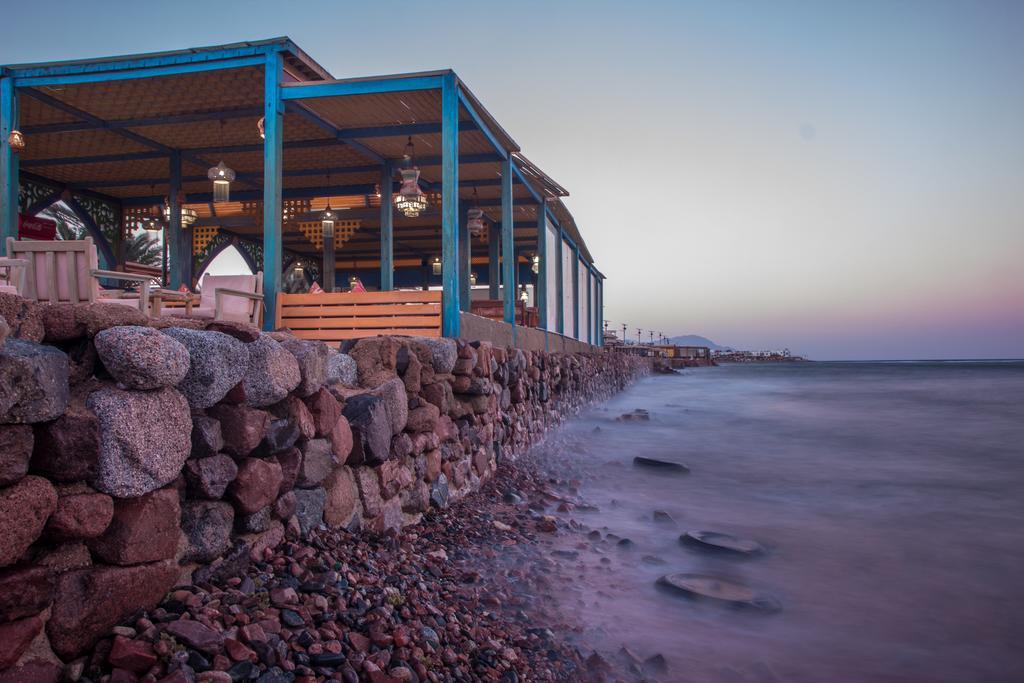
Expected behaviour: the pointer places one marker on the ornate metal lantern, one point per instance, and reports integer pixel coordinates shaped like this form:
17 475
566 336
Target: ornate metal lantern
222 177
410 200
475 218
152 224
327 221
435 265
299 270
188 215
17 141
472 279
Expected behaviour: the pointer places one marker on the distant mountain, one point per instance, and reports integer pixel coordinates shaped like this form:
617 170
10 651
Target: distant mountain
694 340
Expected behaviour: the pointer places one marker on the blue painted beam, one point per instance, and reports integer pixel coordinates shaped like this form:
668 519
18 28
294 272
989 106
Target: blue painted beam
493 260
329 128
366 86
508 244
75 126
465 258
180 259
8 162
450 277
541 294
23 81
180 57
273 153
498 147
387 212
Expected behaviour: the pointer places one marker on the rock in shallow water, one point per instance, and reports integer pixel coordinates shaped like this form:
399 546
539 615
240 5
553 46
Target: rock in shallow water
718 589
721 542
141 357
660 465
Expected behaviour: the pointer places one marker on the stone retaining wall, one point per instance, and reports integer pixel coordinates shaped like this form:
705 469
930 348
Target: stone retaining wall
134 458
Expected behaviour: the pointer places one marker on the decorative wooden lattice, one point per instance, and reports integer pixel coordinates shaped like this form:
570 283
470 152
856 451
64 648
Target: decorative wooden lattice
133 217
202 235
314 232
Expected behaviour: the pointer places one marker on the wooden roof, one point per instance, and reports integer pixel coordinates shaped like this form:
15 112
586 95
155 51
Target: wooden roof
114 137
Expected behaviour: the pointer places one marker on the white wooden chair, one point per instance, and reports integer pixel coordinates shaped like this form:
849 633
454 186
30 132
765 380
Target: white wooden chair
222 297
67 271
13 275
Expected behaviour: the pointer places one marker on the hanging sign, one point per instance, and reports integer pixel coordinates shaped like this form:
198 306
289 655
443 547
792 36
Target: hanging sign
34 228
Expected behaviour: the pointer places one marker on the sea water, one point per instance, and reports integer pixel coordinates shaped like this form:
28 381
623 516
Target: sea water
889 496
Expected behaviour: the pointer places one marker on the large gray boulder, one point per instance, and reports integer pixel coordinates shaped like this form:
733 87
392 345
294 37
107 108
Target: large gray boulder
441 352
342 368
396 402
145 438
33 382
142 357
311 355
272 373
309 508
217 363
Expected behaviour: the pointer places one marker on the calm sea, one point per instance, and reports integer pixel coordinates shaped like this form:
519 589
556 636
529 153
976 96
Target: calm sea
890 497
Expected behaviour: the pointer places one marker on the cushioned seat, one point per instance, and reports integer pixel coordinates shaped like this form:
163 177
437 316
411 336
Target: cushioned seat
233 307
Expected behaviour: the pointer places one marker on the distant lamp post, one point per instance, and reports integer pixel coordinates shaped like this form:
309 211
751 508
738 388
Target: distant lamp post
410 200
472 279
299 270
435 265
535 264
327 221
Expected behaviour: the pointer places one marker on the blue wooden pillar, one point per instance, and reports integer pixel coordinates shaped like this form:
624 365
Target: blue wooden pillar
508 243
8 162
590 306
174 233
541 293
273 120
560 283
493 260
600 311
576 293
387 230
466 258
450 325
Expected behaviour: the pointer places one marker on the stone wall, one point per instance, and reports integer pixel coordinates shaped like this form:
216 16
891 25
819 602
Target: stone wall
134 458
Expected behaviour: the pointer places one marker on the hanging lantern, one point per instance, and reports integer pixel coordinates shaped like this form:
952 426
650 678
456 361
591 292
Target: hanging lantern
410 200
327 221
299 270
353 280
475 218
472 279
188 216
221 176
152 224
435 265
261 126
535 263
16 141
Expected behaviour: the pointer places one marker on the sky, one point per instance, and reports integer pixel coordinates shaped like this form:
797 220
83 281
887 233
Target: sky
845 179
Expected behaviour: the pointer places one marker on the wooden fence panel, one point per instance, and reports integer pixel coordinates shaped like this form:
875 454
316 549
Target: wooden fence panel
339 316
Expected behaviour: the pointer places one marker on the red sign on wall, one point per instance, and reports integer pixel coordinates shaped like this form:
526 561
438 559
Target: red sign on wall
33 228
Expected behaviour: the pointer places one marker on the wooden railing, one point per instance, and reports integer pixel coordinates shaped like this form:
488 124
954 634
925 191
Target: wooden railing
338 316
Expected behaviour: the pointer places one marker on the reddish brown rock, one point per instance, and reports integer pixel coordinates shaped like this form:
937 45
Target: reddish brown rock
393 476
15 637
244 332
369 490
88 602
24 509
423 418
341 440
32 671
196 635
85 515
25 591
136 656
143 529
291 463
101 316
15 451
256 485
433 468
67 449
389 519
243 427
325 410
295 410
284 506
342 502
64 556
61 322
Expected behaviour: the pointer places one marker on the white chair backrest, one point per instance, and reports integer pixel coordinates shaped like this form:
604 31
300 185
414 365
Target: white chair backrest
234 306
60 271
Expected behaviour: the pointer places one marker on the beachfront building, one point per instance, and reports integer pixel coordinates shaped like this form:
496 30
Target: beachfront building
393 184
